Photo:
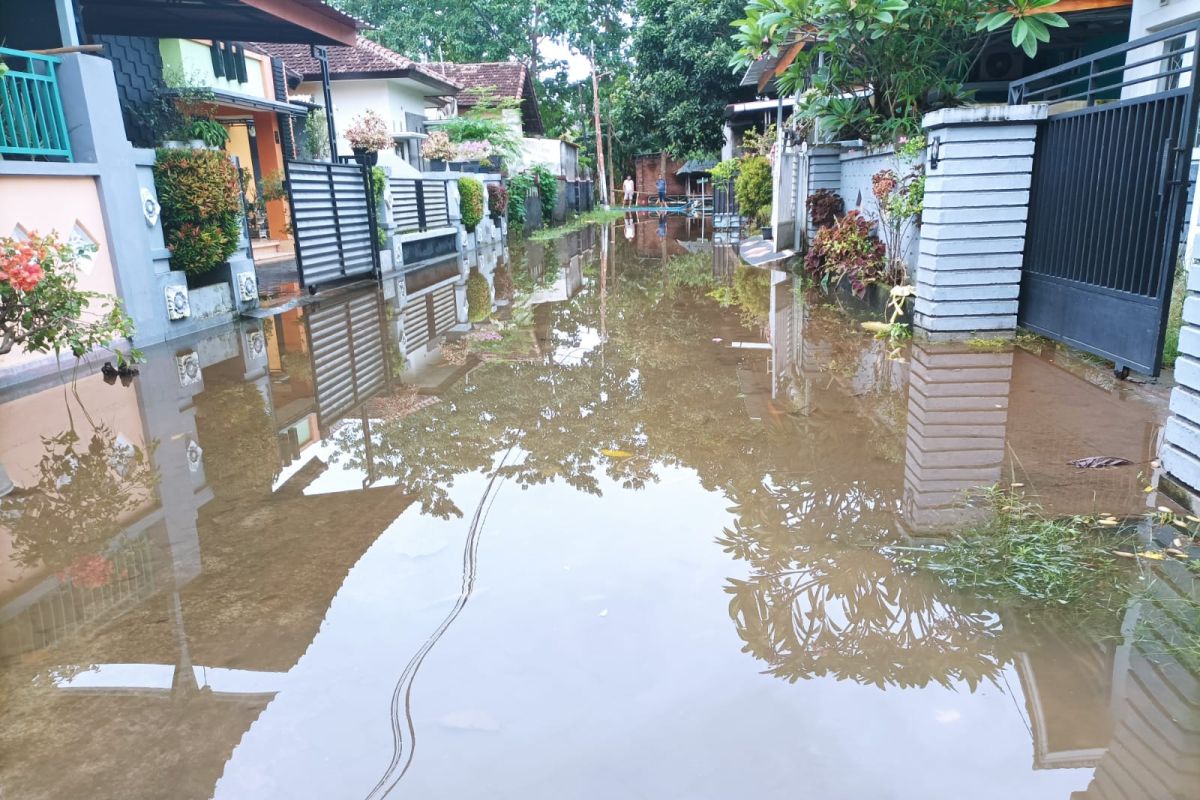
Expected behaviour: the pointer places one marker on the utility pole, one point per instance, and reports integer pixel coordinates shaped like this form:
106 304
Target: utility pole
600 177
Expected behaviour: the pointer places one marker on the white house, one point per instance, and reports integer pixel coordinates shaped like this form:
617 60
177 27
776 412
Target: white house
512 81
371 77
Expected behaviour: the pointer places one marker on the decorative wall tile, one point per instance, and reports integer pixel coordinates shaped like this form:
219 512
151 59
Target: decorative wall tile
188 365
178 306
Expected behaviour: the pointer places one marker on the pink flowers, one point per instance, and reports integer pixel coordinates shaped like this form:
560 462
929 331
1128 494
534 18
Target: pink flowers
20 262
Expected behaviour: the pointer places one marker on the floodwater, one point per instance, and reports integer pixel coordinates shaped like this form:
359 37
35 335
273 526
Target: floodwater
646 545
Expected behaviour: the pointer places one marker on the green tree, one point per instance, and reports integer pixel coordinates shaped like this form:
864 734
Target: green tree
681 81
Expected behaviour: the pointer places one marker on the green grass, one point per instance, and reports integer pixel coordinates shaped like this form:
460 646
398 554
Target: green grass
595 216
1020 553
995 343
1175 318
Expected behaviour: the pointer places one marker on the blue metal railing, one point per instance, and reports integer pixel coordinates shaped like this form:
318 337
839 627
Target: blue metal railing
32 122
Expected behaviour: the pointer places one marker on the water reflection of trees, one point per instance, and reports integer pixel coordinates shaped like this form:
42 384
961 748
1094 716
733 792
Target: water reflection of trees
824 598
85 492
813 502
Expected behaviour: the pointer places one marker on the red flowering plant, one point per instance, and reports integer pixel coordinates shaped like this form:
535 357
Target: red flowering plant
42 309
847 250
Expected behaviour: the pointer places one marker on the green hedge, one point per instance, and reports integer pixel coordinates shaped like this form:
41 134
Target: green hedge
470 195
201 206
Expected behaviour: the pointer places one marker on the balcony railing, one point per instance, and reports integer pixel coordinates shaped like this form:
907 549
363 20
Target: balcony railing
32 123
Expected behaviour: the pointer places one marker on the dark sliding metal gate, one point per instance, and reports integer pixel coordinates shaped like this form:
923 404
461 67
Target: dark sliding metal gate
333 221
1109 188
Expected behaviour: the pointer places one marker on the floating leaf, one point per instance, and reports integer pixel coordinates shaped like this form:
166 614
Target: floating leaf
616 453
1099 462
1123 554
1154 556
1148 489
875 327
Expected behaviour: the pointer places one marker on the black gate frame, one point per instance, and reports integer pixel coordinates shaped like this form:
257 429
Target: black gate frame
1101 86
371 216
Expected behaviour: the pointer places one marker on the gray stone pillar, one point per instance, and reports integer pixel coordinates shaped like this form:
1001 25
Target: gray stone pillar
979 164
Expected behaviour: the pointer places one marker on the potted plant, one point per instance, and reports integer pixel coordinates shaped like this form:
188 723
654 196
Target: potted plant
368 134
497 202
753 191
201 208
438 150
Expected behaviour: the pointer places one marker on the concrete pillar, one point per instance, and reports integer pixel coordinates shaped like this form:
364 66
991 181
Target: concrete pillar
957 423
979 164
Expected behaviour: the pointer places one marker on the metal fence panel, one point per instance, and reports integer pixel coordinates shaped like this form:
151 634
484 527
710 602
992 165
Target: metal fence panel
333 220
32 122
1106 205
347 341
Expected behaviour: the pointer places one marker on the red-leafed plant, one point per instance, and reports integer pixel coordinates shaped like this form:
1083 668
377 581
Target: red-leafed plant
824 207
497 199
849 250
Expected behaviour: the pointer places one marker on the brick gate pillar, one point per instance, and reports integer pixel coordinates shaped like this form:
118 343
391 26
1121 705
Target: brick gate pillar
979 164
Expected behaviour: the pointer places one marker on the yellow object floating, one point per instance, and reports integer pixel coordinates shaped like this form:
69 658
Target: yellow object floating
616 453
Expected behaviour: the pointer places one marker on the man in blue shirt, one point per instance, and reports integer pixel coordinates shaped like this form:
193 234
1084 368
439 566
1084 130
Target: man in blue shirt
662 189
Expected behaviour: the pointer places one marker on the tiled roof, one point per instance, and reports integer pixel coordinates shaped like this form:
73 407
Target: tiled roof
508 80
365 58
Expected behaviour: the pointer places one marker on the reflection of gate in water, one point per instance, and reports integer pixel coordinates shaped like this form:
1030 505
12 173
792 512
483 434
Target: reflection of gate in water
348 352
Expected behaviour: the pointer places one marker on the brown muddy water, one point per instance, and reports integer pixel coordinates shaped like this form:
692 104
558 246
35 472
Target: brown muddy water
645 545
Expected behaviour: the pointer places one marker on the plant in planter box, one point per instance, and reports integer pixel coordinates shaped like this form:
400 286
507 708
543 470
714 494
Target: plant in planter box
497 200
209 131
42 311
848 250
479 297
201 203
368 134
470 193
824 207
438 147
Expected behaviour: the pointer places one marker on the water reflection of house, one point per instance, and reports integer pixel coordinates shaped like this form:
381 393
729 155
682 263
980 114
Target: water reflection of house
222 588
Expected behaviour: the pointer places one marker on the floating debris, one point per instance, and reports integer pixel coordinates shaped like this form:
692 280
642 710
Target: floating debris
1099 462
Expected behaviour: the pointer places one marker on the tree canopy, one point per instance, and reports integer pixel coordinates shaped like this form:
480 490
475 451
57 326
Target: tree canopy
681 80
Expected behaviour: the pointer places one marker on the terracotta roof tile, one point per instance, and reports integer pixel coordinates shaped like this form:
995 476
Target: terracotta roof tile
364 58
508 80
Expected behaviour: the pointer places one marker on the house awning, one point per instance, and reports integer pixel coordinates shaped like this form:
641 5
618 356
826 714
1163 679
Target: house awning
696 166
251 103
301 21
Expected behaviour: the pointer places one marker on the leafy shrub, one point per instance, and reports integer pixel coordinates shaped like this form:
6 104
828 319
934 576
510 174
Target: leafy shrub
723 171
824 207
497 199
547 185
369 132
40 308
479 297
847 250
378 185
438 147
201 203
470 193
209 131
753 186
519 187
316 135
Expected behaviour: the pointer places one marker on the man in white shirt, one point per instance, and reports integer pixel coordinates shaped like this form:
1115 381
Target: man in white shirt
629 192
